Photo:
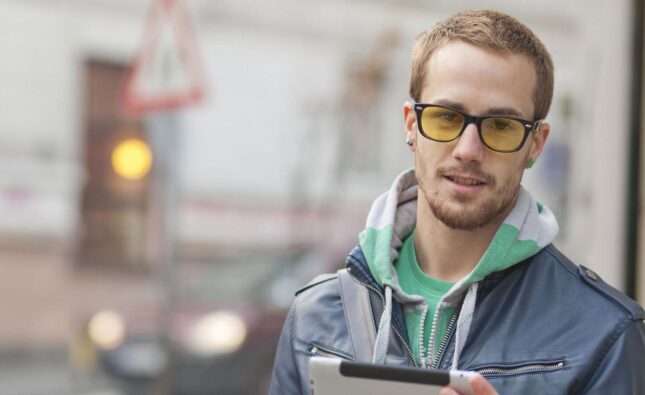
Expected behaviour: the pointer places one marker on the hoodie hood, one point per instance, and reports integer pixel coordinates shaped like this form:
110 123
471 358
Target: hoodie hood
529 227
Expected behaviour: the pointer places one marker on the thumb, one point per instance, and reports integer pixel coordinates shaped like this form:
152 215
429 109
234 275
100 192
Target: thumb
481 386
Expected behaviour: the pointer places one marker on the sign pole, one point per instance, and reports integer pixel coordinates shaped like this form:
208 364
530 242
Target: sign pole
164 142
165 76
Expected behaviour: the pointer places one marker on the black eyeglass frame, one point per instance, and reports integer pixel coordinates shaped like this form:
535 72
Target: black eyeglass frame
529 126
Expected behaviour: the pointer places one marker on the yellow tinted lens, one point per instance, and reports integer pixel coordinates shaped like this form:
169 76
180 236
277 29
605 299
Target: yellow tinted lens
441 124
503 134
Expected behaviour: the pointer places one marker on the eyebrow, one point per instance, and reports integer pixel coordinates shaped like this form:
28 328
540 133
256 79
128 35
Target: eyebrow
510 111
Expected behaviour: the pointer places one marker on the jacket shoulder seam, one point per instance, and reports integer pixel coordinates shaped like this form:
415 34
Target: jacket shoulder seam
292 330
632 315
547 249
323 278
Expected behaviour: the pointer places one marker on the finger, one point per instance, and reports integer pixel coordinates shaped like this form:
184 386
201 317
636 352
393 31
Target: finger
448 391
481 386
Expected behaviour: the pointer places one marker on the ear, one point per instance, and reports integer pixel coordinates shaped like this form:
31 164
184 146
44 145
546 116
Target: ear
539 139
410 124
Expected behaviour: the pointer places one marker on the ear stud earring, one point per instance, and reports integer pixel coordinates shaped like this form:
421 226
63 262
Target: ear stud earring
529 163
409 142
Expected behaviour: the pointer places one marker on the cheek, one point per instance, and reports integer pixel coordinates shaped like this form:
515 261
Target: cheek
513 173
508 168
425 163
431 153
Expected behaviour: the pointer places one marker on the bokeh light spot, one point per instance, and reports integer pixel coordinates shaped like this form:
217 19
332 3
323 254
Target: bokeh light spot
132 159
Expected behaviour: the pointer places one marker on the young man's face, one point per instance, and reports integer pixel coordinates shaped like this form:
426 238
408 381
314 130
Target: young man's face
479 82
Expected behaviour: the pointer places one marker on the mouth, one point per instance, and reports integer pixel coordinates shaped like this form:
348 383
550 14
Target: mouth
466 181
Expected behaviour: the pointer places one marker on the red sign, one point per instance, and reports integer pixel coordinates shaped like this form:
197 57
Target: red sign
167 72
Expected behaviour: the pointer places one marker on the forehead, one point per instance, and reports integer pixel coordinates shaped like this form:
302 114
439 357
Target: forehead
479 79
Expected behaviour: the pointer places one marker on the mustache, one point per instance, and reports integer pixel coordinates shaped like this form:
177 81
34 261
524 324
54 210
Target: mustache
470 171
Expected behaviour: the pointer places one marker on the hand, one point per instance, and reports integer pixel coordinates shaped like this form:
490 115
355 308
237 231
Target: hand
479 385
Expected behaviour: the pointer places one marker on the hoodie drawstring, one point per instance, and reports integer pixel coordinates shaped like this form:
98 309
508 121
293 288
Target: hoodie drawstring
464 321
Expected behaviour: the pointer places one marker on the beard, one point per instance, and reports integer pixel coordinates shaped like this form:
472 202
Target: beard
463 212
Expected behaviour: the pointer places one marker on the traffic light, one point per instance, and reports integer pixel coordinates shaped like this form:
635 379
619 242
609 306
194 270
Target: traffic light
132 159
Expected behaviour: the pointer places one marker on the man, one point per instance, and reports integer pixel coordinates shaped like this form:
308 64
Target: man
457 256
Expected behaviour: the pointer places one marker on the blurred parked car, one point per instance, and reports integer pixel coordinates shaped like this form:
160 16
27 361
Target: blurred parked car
218 337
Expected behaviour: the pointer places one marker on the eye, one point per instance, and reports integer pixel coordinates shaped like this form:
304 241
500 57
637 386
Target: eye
501 124
448 116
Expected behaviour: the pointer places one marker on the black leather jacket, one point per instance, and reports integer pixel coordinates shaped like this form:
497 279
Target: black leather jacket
543 326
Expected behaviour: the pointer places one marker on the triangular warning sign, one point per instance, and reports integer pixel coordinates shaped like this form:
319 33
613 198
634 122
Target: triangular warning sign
167 71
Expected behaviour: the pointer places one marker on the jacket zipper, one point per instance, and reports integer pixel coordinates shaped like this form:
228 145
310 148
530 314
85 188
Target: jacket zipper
532 368
321 351
405 344
438 357
444 342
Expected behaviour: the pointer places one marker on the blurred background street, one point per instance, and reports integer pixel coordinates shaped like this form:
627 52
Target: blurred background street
172 171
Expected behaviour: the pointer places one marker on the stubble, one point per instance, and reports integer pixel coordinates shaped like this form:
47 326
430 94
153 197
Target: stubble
464 213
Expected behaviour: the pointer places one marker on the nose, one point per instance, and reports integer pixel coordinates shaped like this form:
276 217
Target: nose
469 147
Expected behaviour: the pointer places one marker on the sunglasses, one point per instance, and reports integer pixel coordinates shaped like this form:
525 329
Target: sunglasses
499 133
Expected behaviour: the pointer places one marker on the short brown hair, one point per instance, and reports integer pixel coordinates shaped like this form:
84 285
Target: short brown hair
486 29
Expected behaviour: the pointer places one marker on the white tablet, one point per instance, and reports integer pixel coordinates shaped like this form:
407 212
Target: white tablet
332 376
